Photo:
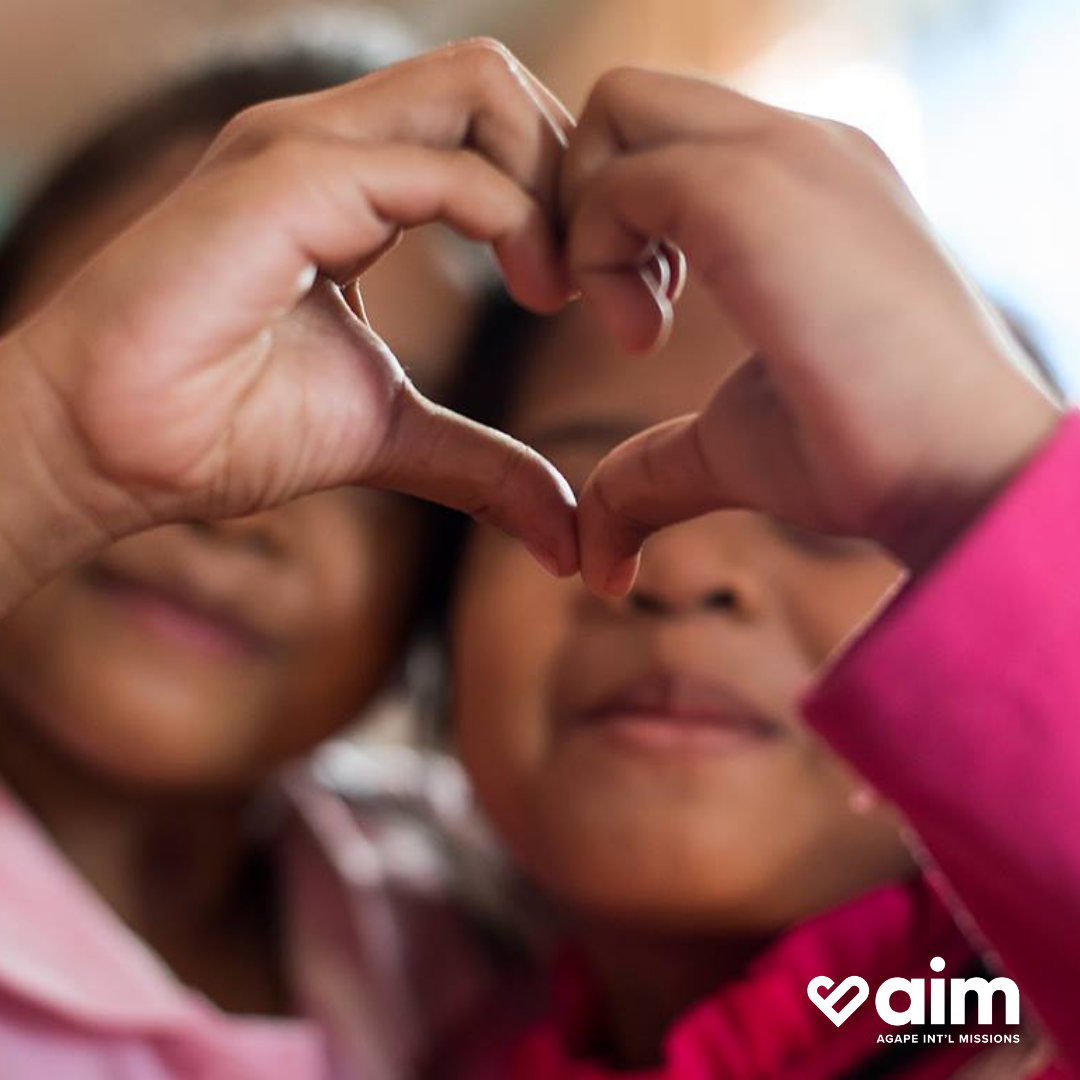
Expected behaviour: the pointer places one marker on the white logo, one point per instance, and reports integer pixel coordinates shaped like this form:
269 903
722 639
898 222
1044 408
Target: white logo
828 1004
915 993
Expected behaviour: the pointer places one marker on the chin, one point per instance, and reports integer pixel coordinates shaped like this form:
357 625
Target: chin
648 904
616 884
693 904
669 874
168 756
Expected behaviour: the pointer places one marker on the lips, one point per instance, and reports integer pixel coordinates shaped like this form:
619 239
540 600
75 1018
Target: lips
180 617
668 709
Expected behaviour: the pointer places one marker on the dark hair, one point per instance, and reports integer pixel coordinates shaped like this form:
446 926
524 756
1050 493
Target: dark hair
194 105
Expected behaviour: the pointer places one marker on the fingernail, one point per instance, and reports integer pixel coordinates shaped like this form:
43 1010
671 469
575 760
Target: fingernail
546 559
621 580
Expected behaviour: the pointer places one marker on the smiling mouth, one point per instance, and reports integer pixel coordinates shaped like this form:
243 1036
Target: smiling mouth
170 617
670 711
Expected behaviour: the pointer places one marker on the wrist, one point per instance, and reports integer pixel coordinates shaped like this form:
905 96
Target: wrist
53 513
936 520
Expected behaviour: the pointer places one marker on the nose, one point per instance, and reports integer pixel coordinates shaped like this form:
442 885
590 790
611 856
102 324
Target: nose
697 568
257 534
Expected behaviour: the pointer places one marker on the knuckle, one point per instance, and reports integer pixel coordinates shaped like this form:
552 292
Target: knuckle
246 133
805 139
465 165
486 59
516 467
617 86
511 479
857 140
615 506
258 127
484 46
810 146
786 137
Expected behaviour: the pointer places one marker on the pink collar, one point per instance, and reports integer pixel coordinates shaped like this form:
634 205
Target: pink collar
63 949
367 910
65 952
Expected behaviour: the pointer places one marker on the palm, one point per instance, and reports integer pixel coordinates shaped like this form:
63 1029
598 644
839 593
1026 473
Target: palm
301 404
191 371
316 410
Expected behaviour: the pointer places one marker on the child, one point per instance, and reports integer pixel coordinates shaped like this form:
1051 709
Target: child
879 402
882 400
645 761
164 911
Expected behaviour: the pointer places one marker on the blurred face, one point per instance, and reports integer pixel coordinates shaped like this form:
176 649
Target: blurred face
645 758
203 655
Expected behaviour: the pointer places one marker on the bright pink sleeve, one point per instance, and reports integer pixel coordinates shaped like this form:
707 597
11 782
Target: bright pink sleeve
961 704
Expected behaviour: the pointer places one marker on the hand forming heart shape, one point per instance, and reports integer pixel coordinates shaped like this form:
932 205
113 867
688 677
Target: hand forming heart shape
209 362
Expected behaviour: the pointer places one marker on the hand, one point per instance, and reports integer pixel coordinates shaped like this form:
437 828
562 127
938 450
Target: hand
882 400
215 360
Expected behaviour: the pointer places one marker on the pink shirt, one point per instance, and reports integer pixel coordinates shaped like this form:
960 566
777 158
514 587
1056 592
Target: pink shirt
762 1025
367 911
961 704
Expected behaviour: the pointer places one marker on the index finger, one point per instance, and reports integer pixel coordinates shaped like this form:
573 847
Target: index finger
631 109
657 478
467 95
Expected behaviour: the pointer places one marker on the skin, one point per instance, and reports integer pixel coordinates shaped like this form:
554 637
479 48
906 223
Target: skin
173 381
168 381
674 853
306 630
145 696
882 397
133 401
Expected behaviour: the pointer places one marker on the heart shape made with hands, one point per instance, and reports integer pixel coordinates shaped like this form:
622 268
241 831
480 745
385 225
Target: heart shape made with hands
193 410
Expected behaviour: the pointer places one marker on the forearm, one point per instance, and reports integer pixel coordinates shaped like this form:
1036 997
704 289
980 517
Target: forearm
51 516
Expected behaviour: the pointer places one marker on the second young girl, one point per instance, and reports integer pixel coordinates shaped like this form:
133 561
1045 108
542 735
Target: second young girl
646 762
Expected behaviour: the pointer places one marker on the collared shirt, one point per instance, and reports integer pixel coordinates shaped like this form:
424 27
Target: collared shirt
366 892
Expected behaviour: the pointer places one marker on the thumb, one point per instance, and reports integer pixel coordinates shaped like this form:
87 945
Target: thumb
739 451
436 454
654 479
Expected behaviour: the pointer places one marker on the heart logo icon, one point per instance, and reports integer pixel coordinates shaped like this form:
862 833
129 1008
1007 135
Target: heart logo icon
828 1004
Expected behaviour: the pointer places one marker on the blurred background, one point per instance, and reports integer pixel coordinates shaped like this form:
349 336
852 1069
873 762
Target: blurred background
974 99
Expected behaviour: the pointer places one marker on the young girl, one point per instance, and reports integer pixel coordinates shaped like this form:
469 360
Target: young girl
645 760
169 906
879 401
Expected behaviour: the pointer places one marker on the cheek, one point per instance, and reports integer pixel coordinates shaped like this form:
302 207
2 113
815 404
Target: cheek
125 707
828 601
145 711
509 620
363 556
